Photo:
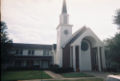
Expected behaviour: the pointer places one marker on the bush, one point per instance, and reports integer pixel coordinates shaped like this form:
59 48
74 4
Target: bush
19 68
25 68
55 68
65 70
113 67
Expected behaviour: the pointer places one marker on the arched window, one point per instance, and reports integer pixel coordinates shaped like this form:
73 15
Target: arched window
84 46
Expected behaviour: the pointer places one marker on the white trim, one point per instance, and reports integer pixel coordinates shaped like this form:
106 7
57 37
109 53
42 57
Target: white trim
74 59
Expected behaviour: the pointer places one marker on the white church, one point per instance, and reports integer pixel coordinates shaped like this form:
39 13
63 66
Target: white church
82 50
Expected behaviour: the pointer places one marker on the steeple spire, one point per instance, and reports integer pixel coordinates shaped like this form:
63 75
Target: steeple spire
64 17
64 9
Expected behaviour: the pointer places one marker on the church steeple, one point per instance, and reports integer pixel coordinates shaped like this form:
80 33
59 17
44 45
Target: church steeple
64 33
64 8
64 19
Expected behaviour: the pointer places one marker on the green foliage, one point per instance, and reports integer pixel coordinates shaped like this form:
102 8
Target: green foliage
4 34
55 68
113 47
6 45
113 55
117 18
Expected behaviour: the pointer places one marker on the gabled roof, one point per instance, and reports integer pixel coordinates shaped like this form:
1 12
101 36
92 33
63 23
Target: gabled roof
76 35
79 33
31 46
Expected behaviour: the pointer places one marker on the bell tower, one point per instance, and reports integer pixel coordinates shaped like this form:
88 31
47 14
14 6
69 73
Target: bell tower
64 33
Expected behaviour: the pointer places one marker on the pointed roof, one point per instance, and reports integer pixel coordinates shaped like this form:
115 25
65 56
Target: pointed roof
79 33
76 35
64 8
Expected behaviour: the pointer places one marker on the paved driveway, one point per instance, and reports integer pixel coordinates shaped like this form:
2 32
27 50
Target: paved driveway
99 74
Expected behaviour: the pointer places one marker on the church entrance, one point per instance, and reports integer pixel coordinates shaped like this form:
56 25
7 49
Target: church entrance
94 59
85 56
77 58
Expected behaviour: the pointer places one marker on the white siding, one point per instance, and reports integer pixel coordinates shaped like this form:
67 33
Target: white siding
38 52
50 53
85 61
25 52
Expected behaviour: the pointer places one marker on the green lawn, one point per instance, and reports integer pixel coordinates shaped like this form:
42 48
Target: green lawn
115 73
71 75
24 75
91 79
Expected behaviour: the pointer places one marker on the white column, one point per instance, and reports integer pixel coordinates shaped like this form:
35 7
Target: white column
74 59
61 58
99 62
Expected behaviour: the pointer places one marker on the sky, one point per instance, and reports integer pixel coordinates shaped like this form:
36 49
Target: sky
35 21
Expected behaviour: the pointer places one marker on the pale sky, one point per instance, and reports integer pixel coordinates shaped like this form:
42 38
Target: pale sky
35 21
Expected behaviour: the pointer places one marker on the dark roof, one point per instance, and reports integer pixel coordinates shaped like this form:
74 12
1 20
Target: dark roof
77 34
33 57
32 46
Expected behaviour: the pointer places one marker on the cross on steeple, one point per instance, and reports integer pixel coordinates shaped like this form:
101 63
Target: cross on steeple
64 9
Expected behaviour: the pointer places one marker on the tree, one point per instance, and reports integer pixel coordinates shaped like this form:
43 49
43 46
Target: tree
6 45
117 18
4 34
113 51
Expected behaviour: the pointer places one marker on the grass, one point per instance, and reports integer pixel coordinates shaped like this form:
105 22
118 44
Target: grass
116 73
72 75
91 79
24 75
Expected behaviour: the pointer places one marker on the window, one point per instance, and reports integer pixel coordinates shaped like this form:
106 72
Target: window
46 53
19 51
30 52
49 52
36 62
84 46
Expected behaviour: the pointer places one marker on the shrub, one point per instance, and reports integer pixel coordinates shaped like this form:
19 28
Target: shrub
65 70
55 68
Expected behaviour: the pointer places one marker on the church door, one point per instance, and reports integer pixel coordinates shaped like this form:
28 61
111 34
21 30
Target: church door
77 58
94 59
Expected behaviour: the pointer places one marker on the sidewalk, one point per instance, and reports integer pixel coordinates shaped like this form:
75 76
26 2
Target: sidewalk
99 74
54 75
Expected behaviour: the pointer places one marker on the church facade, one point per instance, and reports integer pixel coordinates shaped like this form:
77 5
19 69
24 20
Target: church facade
82 50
